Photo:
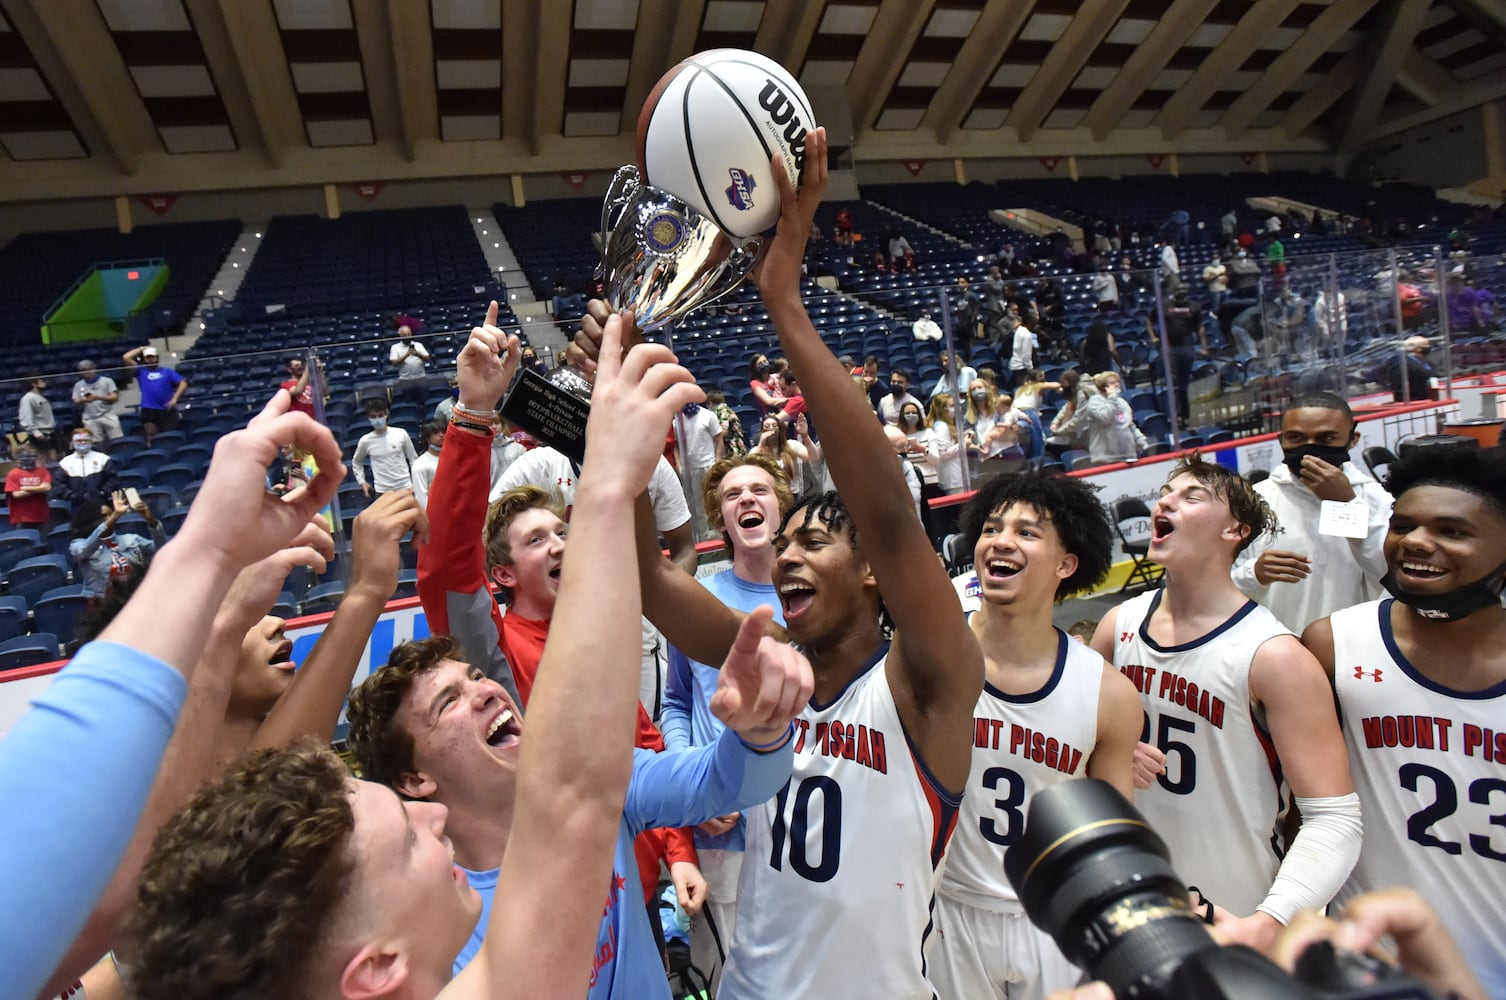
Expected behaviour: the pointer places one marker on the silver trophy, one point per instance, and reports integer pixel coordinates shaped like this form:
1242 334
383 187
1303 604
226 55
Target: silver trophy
661 258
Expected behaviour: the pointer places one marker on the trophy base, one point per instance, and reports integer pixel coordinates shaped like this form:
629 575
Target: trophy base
551 414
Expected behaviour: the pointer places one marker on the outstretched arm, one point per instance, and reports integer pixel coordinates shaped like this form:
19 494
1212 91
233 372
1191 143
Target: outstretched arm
574 766
935 668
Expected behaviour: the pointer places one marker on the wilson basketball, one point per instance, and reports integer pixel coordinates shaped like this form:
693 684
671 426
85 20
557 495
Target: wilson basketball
709 128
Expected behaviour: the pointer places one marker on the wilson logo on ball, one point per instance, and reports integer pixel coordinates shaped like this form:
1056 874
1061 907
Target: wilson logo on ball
740 191
782 112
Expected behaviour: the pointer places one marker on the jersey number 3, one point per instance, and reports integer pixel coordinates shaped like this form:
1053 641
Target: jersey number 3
1009 805
793 833
1445 803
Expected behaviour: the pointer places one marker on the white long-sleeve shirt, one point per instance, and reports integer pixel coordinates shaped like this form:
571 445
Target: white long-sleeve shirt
1345 571
391 453
1023 356
423 471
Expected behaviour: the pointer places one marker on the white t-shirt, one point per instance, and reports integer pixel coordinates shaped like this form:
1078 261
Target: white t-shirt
391 453
413 361
1023 358
701 432
543 466
423 476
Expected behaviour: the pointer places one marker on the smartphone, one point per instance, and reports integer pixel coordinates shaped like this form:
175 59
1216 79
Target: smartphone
132 497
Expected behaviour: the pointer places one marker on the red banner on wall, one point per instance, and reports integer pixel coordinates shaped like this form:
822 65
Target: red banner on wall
158 203
1249 158
575 180
915 167
1050 162
1155 160
368 190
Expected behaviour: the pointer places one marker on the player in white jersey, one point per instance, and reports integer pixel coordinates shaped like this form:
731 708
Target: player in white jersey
835 893
1051 710
1421 684
1237 712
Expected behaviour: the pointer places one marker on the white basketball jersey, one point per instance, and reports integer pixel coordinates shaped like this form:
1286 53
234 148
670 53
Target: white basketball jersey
1022 743
1221 800
1429 765
841 866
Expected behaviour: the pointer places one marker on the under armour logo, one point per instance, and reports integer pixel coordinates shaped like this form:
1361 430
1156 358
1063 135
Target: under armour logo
1361 672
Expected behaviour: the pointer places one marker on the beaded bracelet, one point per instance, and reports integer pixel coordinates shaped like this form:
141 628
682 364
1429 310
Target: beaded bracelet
483 416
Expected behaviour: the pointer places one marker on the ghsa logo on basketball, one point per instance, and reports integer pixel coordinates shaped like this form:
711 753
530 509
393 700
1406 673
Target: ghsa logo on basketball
740 191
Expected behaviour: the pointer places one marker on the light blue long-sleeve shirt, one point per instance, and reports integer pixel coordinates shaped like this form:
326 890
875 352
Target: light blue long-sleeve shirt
75 773
669 789
687 720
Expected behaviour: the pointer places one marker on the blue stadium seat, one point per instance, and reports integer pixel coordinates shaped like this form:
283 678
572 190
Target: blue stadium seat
325 597
18 544
12 617
286 606
158 500
28 650
60 615
58 539
407 584
173 478
34 580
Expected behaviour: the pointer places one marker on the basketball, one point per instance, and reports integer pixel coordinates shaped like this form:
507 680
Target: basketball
709 128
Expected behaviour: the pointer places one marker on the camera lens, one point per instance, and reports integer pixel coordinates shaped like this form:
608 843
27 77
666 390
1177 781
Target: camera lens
1092 873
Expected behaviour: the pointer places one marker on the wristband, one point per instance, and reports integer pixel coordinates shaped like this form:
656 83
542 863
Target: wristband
482 416
775 745
471 426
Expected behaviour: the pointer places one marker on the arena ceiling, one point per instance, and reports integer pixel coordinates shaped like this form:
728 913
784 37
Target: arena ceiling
129 96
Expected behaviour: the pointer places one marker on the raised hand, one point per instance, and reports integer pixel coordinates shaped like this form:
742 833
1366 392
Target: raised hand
763 683
256 588
234 519
486 364
376 541
634 399
778 273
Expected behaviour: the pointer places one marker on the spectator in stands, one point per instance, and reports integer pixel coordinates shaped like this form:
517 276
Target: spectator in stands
98 394
901 254
1007 258
978 415
389 449
530 359
1030 392
1186 337
1103 416
508 445
445 407
1275 255
1228 224
899 395
912 423
161 388
1248 328
300 385
1171 268
913 479
28 486
734 442
924 328
794 401
1331 316
104 557
411 359
34 417
842 236
1418 384
795 457
1131 283
1003 438
86 477
876 388
967 309
1244 276
1098 352
1176 227
1022 351
702 445
766 392
1105 289
947 450
1470 309
427 464
1301 573
1216 276
995 307
965 374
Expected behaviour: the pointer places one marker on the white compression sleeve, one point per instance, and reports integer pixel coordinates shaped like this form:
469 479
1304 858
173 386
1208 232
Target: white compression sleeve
1320 858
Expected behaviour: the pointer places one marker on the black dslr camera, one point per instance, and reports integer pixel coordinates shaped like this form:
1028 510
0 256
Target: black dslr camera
1092 873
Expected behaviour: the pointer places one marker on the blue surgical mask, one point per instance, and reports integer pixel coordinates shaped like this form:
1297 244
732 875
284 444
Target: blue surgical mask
378 423
83 447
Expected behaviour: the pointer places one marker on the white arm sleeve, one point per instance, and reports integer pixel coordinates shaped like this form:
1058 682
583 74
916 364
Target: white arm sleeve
1320 858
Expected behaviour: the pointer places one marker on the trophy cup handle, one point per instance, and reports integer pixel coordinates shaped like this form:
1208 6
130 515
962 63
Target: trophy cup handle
623 187
734 270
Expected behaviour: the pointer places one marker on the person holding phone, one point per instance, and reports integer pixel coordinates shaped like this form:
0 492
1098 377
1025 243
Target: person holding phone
103 556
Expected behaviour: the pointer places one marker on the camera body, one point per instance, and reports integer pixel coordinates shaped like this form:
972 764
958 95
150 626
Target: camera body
1094 875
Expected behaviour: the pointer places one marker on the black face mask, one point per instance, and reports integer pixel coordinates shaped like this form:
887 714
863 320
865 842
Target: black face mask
1334 455
1454 605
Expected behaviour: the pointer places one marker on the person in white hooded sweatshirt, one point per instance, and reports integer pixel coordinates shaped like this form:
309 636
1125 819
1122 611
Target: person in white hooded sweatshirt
1300 573
1106 418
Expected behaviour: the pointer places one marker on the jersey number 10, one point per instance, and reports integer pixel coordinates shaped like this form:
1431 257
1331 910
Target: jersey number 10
794 833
